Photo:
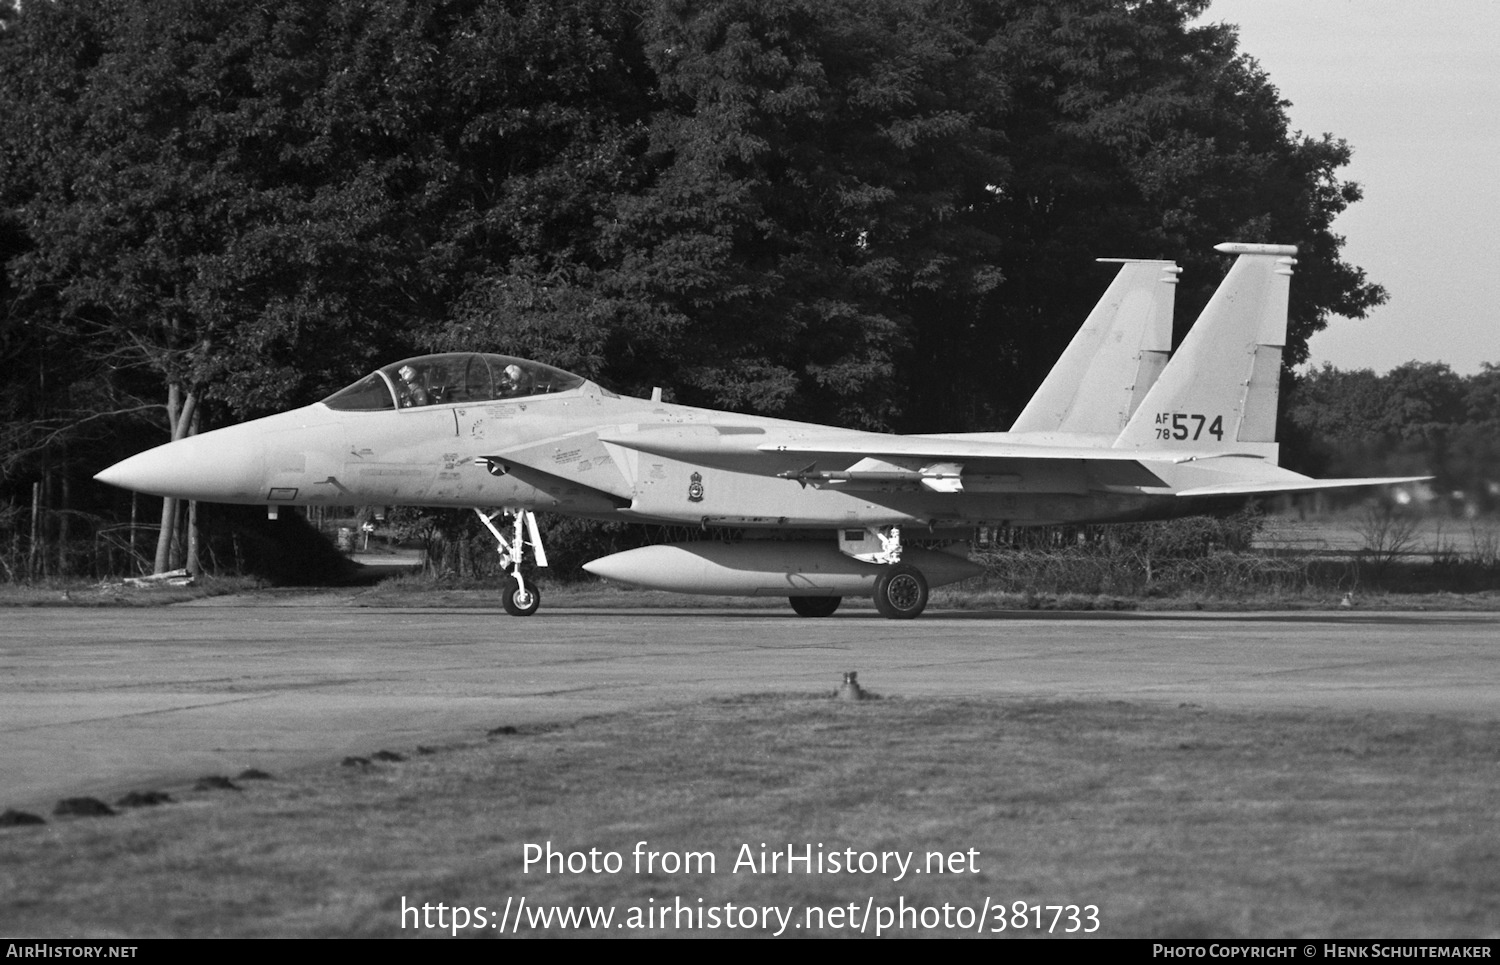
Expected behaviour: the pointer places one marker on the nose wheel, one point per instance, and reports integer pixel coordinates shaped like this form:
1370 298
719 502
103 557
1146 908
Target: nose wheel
519 597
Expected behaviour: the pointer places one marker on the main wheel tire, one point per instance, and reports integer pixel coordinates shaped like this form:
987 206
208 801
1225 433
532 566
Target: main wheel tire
815 606
901 592
518 602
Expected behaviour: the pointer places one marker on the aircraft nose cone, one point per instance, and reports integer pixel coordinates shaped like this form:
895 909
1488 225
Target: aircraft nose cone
220 466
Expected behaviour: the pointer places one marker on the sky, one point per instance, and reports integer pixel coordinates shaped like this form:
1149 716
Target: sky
1414 87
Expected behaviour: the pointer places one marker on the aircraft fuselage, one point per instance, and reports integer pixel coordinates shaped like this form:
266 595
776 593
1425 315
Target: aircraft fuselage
531 454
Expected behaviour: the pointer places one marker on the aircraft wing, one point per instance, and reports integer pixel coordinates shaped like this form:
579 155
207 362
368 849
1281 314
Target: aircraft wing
713 443
875 444
746 448
855 459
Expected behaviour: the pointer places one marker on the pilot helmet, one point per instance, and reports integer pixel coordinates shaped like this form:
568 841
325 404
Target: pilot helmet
407 373
512 374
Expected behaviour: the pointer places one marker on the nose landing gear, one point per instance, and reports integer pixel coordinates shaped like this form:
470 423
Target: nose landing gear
520 599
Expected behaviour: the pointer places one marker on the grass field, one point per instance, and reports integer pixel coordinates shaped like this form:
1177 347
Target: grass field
1173 821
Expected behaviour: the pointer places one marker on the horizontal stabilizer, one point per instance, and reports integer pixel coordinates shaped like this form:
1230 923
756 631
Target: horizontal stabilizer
1303 484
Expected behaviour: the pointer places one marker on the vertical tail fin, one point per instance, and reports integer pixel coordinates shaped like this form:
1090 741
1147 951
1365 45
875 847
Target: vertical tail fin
1218 394
1106 370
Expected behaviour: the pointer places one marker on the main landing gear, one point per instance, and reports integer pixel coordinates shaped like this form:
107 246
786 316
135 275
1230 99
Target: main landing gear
519 597
900 588
901 592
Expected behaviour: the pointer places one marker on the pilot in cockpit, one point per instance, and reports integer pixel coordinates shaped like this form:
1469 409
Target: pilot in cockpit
411 389
514 381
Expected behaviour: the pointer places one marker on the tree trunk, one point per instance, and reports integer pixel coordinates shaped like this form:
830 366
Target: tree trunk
36 529
194 564
135 517
64 497
181 407
164 536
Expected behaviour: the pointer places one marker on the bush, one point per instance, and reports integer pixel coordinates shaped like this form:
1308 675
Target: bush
1197 553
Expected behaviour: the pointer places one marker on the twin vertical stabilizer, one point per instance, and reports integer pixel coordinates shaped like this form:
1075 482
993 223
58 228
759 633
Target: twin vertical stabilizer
1218 395
1114 359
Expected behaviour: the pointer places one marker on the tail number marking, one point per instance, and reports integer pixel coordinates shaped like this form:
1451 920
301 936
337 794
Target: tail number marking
1188 425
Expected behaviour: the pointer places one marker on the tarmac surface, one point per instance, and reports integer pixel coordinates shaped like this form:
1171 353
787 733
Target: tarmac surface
103 701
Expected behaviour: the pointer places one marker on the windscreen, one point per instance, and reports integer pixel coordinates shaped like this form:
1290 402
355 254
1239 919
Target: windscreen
370 393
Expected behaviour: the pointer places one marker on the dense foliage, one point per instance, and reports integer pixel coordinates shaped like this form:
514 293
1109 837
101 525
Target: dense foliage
879 213
1419 418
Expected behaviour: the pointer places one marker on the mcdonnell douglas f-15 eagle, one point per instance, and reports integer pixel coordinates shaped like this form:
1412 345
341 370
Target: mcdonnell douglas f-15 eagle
1116 433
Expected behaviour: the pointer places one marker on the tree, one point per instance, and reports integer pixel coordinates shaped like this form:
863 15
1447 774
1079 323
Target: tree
779 172
869 212
1474 447
1128 132
547 116
1420 417
822 157
208 203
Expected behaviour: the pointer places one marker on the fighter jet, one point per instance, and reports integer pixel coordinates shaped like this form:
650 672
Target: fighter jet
810 512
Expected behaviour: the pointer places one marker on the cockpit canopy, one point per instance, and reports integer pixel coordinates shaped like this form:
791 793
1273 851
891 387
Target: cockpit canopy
453 377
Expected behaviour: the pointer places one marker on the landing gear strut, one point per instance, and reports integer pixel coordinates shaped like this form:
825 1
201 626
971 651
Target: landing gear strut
520 598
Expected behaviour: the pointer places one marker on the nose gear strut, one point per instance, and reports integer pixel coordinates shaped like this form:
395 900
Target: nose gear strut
520 599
